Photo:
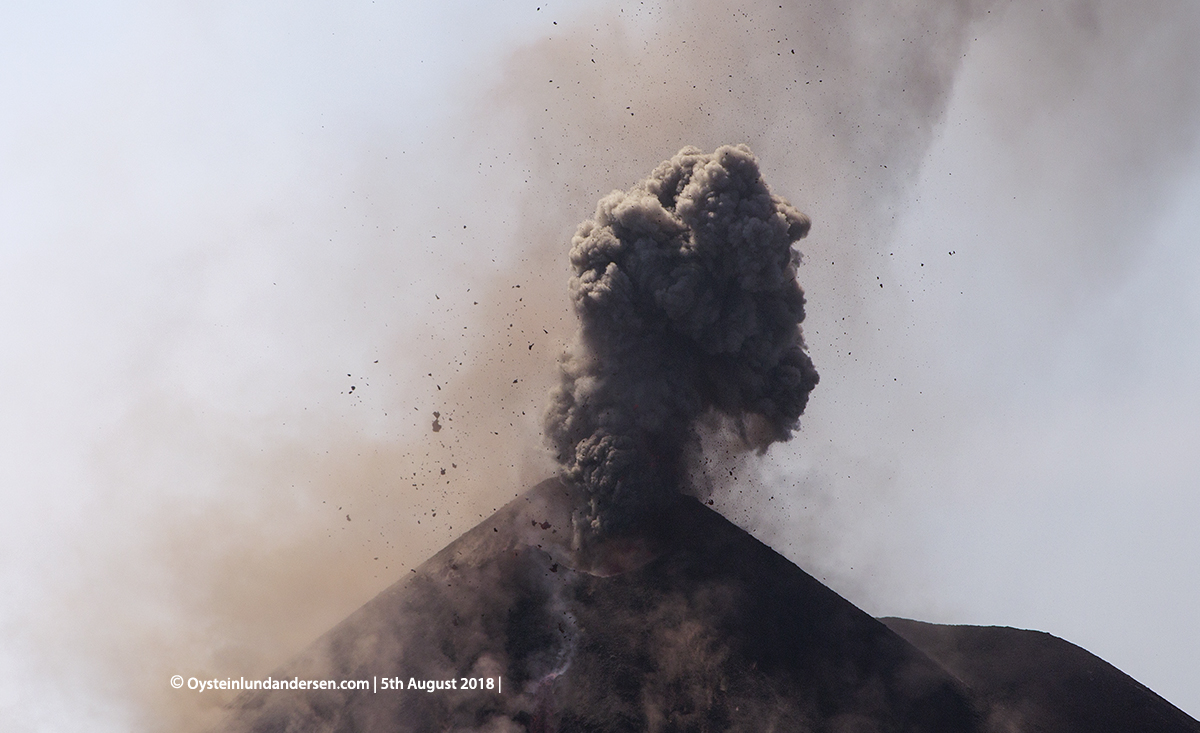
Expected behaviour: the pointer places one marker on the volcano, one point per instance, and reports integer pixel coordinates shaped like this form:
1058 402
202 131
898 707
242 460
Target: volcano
694 626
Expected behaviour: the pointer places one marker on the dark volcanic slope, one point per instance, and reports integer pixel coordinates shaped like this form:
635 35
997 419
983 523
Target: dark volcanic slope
717 633
1032 681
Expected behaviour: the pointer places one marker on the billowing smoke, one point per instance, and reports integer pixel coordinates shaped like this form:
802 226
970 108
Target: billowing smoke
686 293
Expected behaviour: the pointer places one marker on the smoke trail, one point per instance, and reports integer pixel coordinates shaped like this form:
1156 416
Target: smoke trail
685 287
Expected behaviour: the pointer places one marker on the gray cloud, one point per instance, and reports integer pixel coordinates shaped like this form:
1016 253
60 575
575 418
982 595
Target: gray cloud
685 287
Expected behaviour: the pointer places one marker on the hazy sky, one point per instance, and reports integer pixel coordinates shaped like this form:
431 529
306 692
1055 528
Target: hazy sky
216 219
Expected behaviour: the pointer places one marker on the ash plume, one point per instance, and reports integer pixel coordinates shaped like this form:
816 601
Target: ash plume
685 288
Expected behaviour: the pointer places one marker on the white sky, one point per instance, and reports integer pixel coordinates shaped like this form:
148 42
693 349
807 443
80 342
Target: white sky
210 213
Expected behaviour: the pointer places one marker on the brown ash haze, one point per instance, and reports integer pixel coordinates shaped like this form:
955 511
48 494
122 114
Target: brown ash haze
250 251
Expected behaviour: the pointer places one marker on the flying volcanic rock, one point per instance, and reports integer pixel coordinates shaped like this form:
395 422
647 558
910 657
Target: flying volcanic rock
686 293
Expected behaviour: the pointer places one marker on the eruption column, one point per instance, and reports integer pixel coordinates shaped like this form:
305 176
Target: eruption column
686 293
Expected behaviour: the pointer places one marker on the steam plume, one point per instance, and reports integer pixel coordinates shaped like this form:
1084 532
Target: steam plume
686 293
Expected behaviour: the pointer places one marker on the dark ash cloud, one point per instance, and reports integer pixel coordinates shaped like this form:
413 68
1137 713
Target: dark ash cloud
685 288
